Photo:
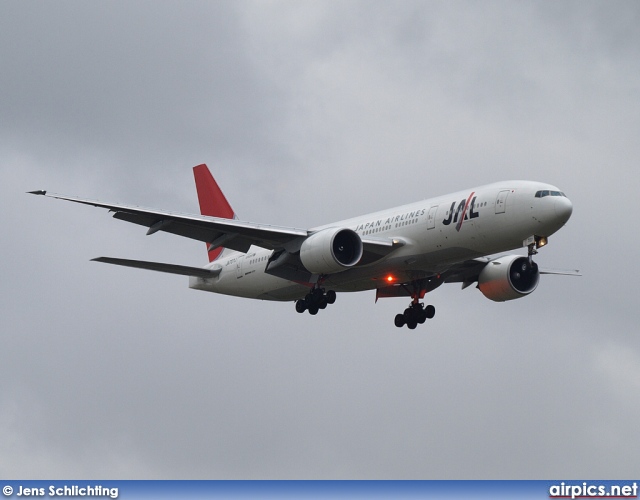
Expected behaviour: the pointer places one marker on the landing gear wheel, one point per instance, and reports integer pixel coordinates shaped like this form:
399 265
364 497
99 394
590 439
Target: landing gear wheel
399 320
412 315
417 313
315 300
429 311
422 316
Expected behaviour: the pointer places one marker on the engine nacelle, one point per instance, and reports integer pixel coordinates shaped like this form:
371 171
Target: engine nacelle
331 250
509 277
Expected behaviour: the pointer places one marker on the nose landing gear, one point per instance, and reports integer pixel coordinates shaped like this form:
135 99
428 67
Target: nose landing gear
415 314
531 252
315 300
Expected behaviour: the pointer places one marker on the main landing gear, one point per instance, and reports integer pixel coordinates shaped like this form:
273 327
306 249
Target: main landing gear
315 300
414 314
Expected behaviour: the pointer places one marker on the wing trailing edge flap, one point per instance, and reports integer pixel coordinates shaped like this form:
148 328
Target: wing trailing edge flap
202 230
465 272
199 272
374 249
419 287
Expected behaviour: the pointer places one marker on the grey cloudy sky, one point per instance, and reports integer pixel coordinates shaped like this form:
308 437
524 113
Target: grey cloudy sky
308 112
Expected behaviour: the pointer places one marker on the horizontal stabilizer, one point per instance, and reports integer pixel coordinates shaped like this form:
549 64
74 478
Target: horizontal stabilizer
200 272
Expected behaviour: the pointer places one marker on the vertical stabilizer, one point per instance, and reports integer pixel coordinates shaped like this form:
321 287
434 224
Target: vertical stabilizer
212 201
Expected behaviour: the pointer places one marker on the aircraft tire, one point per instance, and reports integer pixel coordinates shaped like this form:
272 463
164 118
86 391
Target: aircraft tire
331 296
399 320
301 306
429 311
411 325
313 310
420 314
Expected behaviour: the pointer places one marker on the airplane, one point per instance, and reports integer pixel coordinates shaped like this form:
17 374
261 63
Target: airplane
406 251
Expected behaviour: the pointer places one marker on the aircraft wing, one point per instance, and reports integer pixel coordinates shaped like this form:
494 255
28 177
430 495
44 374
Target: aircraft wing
562 272
230 233
465 272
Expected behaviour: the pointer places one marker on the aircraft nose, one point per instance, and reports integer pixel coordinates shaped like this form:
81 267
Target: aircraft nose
563 208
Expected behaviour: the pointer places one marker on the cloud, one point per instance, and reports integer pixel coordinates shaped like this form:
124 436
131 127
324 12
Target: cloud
309 112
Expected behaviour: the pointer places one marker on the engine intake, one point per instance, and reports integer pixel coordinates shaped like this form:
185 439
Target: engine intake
331 250
509 277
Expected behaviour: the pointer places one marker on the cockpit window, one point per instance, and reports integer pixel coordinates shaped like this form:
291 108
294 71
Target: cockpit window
544 192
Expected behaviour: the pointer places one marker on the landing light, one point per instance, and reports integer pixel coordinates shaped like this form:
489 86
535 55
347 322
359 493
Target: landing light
390 278
541 241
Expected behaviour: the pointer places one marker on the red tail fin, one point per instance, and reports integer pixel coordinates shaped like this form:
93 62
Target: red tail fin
212 200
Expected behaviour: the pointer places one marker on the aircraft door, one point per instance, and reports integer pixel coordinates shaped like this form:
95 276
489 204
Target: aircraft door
431 217
501 201
239 262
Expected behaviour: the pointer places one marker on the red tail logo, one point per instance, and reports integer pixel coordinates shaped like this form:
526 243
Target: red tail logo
212 200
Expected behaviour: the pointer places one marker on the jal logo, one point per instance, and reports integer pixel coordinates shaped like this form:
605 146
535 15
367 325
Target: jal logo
465 211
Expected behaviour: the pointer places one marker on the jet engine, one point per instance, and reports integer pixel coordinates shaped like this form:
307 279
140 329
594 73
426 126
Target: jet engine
509 277
331 250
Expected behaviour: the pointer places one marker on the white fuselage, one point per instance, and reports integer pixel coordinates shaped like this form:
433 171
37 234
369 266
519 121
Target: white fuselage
435 233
